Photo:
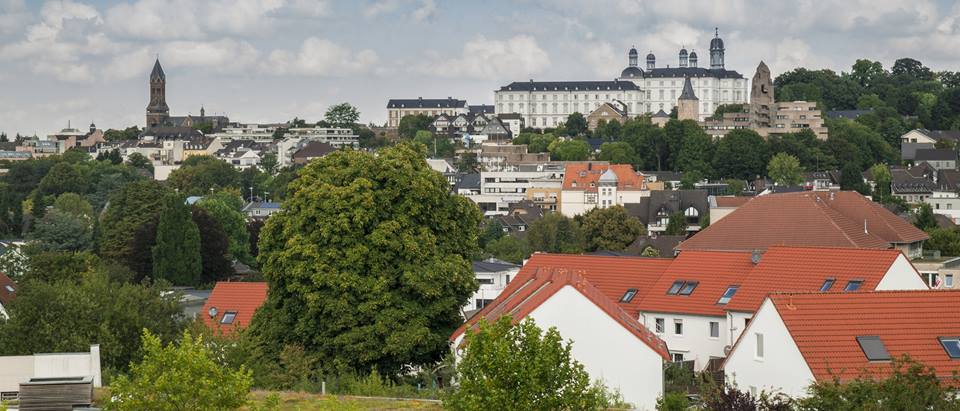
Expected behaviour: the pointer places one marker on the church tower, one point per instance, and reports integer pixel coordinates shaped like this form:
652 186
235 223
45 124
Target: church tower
157 110
716 51
688 105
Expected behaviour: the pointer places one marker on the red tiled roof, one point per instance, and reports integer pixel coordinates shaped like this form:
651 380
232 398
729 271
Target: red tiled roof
243 298
531 289
613 276
804 269
731 201
825 327
627 178
715 271
818 219
6 296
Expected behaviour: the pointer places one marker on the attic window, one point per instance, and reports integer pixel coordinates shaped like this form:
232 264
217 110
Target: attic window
873 348
827 284
727 295
228 317
675 288
9 288
853 285
952 346
688 287
627 296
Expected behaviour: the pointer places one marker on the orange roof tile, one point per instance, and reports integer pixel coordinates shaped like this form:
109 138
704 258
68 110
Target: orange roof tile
531 289
825 327
804 269
731 201
242 298
585 176
6 295
714 271
819 219
611 275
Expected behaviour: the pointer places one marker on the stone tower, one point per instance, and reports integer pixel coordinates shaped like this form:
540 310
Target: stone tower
761 96
688 105
716 50
157 110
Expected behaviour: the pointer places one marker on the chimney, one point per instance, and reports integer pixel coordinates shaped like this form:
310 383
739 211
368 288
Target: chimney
755 257
589 166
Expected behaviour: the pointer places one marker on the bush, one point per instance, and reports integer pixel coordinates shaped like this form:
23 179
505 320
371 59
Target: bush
674 401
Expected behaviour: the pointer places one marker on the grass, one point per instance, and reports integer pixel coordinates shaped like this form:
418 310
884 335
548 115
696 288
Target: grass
295 401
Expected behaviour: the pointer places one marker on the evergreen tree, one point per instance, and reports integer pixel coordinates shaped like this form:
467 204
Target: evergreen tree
176 256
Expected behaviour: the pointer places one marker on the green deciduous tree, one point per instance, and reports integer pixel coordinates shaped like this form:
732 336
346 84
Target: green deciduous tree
851 178
199 174
68 316
411 124
378 243
214 248
609 228
576 124
521 367
73 204
62 231
343 115
555 233
882 179
923 217
508 248
179 376
130 208
176 254
785 170
695 151
225 208
64 178
569 150
740 154
676 225
945 240
618 152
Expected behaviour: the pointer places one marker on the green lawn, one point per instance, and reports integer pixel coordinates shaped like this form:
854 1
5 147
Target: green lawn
292 401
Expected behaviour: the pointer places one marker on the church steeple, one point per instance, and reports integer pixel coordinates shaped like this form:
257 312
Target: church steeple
157 110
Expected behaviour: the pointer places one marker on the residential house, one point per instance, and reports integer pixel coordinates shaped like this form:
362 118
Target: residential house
493 275
913 185
820 181
607 112
660 118
811 219
519 217
76 138
397 109
312 150
512 121
444 167
337 137
655 211
938 158
920 135
589 185
796 339
507 157
611 344
669 179
260 210
468 185
540 183
721 206
664 245
908 150
939 272
231 305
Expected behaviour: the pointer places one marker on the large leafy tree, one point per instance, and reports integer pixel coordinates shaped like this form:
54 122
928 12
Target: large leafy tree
569 150
214 248
785 170
135 205
199 174
368 264
741 154
923 218
555 233
521 367
185 375
64 177
225 209
62 231
176 254
68 316
342 115
618 152
508 248
576 124
609 228
411 124
696 150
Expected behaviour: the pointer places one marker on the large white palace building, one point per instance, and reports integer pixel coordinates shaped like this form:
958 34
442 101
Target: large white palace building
638 90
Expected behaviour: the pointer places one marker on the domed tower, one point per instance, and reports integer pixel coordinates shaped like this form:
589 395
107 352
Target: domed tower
693 59
683 57
157 111
651 61
632 71
716 50
632 57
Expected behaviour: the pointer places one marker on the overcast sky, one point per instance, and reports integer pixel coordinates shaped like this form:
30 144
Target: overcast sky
271 60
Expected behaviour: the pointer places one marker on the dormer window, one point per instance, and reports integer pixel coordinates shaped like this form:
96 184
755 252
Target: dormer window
628 296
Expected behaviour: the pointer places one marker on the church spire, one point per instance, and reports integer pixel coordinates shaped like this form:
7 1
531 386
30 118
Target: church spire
157 110
157 73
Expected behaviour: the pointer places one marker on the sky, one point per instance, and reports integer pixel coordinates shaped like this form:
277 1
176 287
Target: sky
271 60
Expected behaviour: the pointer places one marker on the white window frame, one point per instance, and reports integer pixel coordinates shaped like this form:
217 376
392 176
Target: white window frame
758 351
678 322
714 325
659 325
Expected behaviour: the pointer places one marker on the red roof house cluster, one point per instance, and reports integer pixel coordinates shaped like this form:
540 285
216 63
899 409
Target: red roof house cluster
586 176
232 304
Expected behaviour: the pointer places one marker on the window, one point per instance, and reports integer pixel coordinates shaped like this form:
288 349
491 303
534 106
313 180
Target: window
228 317
688 288
948 280
678 327
677 357
873 348
759 349
480 303
485 280
627 296
952 346
10 288
659 326
508 279
675 288
714 329
853 285
727 295
827 284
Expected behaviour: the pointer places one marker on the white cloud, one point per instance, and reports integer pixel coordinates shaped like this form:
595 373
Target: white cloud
241 17
602 58
321 57
379 7
14 16
226 55
427 9
156 19
69 72
136 63
517 57
310 8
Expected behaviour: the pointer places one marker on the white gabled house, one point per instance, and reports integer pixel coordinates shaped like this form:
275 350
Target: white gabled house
612 345
796 339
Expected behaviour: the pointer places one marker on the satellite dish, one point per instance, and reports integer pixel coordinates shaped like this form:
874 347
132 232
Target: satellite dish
212 312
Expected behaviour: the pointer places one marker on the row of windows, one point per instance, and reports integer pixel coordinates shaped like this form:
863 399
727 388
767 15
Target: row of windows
660 327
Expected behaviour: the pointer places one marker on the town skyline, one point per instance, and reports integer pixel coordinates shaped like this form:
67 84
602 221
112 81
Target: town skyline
89 61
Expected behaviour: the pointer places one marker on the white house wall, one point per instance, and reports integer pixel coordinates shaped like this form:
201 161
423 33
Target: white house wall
606 349
695 343
901 276
782 368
